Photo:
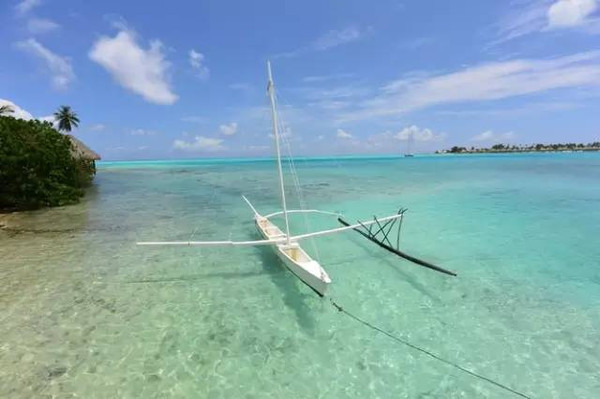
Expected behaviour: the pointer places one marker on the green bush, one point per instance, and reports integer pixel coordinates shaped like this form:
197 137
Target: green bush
37 168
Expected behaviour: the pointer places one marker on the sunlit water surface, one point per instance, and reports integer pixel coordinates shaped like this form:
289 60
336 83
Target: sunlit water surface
85 312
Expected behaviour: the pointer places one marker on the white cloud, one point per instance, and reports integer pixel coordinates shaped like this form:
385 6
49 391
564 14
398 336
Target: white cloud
51 119
516 111
199 144
27 5
330 104
527 17
567 13
335 38
333 98
21 113
389 140
142 132
98 127
323 78
490 136
418 134
197 62
486 82
18 112
59 67
320 95
41 25
342 134
143 71
229 130
331 39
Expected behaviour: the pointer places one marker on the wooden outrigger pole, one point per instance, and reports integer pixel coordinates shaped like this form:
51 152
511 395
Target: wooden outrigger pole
365 230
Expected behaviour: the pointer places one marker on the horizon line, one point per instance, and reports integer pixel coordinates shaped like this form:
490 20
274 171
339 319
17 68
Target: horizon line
326 157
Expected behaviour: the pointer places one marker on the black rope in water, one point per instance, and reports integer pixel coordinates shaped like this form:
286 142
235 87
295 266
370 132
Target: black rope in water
425 351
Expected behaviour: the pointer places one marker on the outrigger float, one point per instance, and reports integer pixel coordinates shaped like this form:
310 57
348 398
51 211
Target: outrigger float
287 247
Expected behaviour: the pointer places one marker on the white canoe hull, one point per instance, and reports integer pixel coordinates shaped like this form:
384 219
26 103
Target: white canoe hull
295 259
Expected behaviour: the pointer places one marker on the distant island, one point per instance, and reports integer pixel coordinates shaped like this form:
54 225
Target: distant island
505 148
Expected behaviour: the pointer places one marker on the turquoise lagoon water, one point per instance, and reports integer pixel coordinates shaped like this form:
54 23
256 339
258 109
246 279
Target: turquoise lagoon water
86 313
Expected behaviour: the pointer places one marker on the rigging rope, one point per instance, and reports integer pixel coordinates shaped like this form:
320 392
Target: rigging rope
425 351
295 179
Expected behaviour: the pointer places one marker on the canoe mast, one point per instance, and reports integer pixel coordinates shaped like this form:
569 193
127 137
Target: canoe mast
271 91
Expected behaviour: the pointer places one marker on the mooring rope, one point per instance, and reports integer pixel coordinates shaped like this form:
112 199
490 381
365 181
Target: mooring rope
425 351
364 322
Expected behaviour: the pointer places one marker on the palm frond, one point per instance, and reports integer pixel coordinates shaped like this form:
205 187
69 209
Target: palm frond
6 109
66 118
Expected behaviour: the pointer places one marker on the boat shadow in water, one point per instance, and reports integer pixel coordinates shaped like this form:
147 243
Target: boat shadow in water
294 297
396 264
197 277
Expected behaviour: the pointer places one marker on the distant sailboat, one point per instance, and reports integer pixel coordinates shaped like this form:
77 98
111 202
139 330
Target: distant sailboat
408 153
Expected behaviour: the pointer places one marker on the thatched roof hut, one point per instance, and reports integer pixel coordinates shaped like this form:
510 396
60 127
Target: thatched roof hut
80 150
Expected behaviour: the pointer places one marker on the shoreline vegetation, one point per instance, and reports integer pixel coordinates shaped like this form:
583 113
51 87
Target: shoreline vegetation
507 148
40 166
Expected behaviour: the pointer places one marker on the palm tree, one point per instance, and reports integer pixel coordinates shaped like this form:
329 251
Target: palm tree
6 109
66 118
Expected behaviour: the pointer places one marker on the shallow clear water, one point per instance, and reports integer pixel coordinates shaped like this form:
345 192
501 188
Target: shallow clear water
86 313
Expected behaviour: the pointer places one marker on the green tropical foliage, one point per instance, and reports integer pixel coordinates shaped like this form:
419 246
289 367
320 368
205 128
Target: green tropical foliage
37 168
456 149
66 118
595 146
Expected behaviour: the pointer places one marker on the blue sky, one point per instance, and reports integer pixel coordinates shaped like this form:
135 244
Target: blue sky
187 79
